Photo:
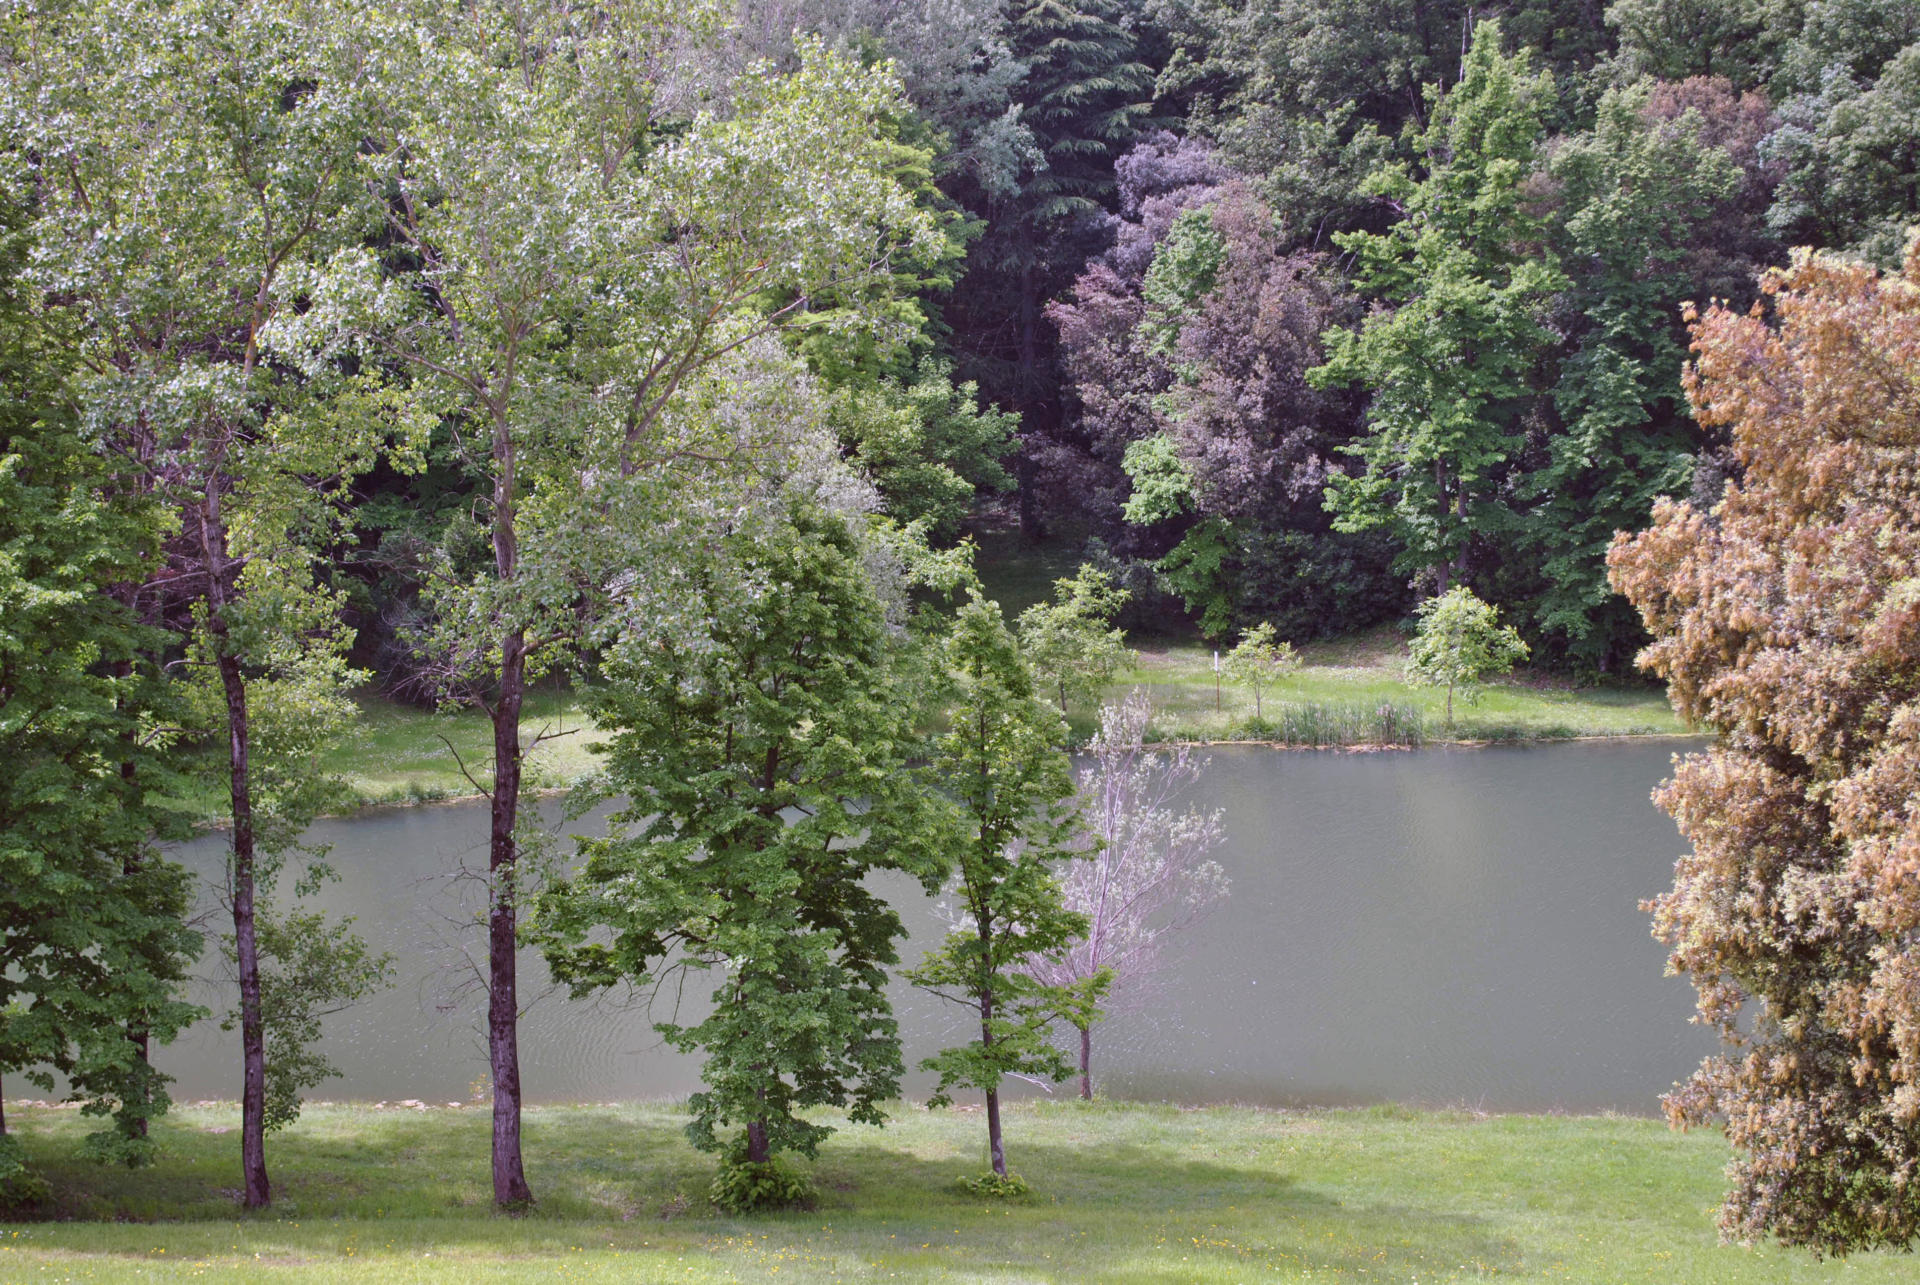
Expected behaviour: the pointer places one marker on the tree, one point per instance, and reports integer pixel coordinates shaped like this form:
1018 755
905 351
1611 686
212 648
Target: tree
569 266
1853 160
1638 195
1786 621
1148 877
1451 365
1675 39
928 445
1460 642
94 943
1259 661
1068 639
764 759
1013 822
193 165
1205 449
1085 95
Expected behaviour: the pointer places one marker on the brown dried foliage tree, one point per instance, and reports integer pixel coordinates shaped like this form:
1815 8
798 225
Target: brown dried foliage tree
1787 621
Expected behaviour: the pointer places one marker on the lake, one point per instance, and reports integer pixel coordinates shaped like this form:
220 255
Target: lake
1440 927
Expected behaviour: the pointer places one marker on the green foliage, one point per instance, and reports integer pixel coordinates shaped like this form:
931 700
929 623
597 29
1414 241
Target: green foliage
1086 95
763 750
310 967
1068 640
94 940
21 1190
999 1186
1259 660
1460 642
928 445
1013 819
1186 265
1637 196
1196 569
1852 152
1450 366
1162 483
744 1186
1675 39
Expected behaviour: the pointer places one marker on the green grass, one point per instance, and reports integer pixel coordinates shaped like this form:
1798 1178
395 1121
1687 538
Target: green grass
1367 671
1123 1194
1336 696
398 753
1016 574
404 754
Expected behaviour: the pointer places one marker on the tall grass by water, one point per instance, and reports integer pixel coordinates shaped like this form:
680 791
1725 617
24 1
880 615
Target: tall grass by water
1325 724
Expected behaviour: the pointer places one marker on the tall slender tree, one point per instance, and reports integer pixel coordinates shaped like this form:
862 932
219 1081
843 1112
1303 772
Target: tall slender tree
192 164
1014 820
567 260
1148 877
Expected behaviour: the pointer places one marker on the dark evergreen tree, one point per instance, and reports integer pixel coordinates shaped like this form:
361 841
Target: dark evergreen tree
1086 96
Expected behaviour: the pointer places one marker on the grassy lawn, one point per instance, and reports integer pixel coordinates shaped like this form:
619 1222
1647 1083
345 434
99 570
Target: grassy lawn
399 753
1361 670
1368 670
404 754
1123 1194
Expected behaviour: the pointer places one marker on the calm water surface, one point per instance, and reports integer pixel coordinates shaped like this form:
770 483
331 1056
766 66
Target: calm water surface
1439 926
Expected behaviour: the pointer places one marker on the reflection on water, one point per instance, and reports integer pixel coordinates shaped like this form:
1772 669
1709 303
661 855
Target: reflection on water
1437 926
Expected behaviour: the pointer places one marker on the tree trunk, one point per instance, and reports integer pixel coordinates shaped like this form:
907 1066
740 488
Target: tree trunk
994 1145
1026 377
993 1133
510 1188
253 1045
758 1152
257 1192
1086 1063
137 1033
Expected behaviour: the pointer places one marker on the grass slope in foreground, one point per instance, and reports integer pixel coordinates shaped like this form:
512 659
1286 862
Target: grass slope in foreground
1145 1194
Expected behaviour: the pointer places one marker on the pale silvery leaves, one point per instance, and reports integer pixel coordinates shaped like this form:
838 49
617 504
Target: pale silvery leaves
950 56
1148 875
179 185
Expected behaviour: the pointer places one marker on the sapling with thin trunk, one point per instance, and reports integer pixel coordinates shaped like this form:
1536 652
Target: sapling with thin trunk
1148 876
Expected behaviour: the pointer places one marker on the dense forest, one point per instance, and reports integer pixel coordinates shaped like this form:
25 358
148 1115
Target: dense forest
679 350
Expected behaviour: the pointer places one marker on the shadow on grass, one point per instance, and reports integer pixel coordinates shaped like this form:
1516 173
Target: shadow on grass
1104 1208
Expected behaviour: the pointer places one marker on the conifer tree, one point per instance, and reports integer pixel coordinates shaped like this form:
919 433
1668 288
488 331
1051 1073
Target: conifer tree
1086 96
